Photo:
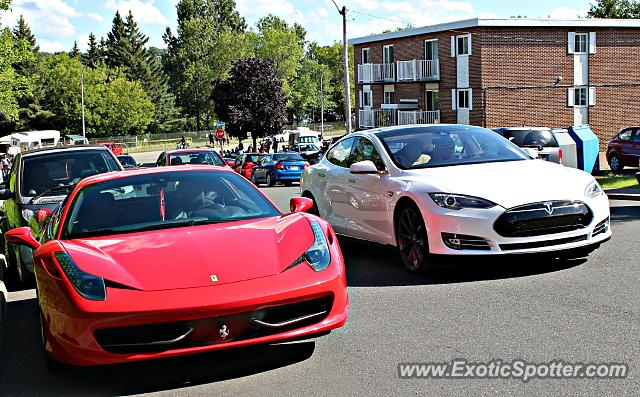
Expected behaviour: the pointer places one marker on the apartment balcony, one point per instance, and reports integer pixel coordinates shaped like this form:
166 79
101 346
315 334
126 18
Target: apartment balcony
376 72
418 70
373 118
418 117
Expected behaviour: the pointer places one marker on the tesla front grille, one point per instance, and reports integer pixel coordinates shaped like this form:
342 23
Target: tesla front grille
542 218
151 338
540 244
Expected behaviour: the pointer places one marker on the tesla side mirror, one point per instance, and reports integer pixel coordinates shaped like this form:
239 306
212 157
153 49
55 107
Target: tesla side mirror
42 214
300 204
22 236
363 167
6 194
533 153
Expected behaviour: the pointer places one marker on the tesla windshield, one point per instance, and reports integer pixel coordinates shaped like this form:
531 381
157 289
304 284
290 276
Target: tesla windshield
163 200
439 146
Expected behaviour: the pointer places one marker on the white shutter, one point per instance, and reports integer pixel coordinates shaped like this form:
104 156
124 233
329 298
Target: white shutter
469 49
571 43
592 42
361 100
470 97
592 96
571 97
454 99
453 46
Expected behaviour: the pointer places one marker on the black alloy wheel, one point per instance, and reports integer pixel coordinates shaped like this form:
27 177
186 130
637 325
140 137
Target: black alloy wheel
411 235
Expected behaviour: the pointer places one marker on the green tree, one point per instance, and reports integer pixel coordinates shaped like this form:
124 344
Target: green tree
75 51
117 46
252 99
13 85
626 9
22 31
210 38
93 55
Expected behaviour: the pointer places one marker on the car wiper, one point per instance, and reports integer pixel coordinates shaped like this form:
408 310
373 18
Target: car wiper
55 189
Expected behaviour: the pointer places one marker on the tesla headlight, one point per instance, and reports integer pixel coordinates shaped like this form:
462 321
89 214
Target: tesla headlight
27 214
458 201
88 286
317 256
593 190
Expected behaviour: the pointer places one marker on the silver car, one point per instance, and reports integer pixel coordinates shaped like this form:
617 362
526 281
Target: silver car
540 138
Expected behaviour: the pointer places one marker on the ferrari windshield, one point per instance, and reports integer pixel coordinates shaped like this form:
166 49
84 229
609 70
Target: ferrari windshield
163 200
438 146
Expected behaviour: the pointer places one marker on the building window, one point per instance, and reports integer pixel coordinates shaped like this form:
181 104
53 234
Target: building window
580 96
463 46
389 97
366 99
366 55
464 99
387 54
432 101
580 43
431 50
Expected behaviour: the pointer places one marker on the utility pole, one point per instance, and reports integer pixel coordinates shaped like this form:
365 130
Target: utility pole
347 89
84 134
321 108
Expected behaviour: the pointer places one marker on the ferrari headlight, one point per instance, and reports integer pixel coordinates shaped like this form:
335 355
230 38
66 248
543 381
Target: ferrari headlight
458 201
88 286
593 190
317 256
27 214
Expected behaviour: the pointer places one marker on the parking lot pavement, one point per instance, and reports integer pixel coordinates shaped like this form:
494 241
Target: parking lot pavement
578 311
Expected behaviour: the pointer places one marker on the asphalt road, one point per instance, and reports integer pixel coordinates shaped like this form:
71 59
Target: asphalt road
578 311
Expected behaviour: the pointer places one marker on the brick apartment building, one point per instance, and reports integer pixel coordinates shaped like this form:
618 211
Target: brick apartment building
502 72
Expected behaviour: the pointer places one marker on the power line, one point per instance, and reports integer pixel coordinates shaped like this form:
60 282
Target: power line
383 18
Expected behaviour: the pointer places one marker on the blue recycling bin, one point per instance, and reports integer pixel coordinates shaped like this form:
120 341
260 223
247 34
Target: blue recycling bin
587 145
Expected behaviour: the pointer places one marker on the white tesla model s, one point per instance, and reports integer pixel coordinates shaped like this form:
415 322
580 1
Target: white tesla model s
442 189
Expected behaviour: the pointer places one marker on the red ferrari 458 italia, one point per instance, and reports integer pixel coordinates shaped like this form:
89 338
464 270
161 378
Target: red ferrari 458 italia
162 262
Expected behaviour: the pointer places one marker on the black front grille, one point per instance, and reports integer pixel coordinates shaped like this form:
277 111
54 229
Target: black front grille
207 331
539 244
601 227
548 217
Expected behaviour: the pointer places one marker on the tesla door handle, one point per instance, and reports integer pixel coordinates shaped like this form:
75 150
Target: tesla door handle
352 180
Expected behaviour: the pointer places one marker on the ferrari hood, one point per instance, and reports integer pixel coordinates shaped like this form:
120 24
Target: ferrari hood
196 256
508 184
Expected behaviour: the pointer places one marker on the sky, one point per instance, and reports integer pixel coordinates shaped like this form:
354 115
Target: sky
58 23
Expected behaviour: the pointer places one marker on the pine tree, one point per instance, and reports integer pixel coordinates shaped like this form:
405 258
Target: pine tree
93 55
75 51
102 47
22 31
117 44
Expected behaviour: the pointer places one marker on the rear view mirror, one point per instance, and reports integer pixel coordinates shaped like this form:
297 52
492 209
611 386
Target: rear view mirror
22 236
363 167
300 204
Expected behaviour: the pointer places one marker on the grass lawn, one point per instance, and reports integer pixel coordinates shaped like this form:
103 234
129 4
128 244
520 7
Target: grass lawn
616 181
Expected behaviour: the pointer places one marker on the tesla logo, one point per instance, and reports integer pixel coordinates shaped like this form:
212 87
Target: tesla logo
224 331
548 206
214 278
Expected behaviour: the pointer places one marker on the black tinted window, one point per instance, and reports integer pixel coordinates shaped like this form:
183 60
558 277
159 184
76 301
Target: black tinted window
43 172
339 154
530 138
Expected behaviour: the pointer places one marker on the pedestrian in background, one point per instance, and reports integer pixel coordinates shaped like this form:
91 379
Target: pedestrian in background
211 138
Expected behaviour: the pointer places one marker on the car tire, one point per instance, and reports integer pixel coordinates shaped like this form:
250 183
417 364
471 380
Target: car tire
270 182
24 277
254 180
288 183
615 163
412 241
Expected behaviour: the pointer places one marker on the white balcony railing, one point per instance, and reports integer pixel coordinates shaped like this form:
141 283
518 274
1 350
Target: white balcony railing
372 118
376 72
418 117
418 70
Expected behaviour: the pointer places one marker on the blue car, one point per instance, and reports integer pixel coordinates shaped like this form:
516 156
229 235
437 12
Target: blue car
278 167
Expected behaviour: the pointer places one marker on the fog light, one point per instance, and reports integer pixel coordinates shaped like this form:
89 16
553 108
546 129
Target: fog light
452 241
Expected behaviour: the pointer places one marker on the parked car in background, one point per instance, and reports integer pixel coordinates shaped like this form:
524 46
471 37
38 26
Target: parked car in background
278 167
540 138
40 180
455 190
116 148
144 265
190 156
127 161
245 162
624 149
230 161
309 151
